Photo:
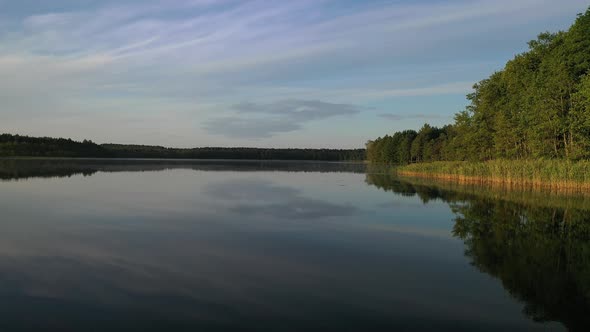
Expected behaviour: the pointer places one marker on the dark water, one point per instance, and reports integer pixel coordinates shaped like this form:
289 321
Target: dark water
275 246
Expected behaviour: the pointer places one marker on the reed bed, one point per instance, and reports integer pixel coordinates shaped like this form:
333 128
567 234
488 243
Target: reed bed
556 175
523 195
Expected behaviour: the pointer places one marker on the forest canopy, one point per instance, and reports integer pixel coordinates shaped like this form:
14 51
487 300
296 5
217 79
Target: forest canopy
538 106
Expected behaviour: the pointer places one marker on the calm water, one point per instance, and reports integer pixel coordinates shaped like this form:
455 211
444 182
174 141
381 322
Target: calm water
249 246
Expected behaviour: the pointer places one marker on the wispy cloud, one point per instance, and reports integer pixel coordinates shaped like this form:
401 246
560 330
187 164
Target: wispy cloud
151 29
298 109
422 116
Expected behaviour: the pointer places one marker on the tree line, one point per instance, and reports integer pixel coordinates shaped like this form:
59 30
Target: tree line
537 106
25 146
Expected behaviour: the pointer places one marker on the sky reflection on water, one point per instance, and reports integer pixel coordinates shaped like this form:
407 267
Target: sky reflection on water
238 248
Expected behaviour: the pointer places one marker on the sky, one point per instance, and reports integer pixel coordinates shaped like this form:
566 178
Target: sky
272 73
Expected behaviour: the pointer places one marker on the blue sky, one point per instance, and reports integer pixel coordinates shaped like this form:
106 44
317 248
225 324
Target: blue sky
305 73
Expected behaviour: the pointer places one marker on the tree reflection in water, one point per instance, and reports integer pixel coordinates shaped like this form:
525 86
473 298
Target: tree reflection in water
537 244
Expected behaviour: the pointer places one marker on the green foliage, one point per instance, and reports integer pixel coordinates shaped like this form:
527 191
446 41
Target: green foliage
538 106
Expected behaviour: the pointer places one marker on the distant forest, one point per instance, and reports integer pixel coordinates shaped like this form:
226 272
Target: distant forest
538 106
24 146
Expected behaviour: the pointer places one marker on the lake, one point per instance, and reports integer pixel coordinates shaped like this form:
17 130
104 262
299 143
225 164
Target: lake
164 245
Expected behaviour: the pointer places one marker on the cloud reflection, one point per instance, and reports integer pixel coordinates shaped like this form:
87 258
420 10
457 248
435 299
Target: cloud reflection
265 199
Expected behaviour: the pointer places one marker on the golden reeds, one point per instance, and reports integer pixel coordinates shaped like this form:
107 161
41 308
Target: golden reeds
555 175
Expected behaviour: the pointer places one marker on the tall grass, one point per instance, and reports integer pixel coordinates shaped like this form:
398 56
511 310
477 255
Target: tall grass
528 196
553 174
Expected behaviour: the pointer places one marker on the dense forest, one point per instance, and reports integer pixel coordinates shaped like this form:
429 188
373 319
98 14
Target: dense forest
24 146
141 151
538 106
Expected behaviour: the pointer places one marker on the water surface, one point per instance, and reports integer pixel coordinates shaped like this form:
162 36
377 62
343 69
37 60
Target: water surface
141 245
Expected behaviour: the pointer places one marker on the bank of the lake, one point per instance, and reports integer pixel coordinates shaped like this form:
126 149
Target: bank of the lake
559 175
